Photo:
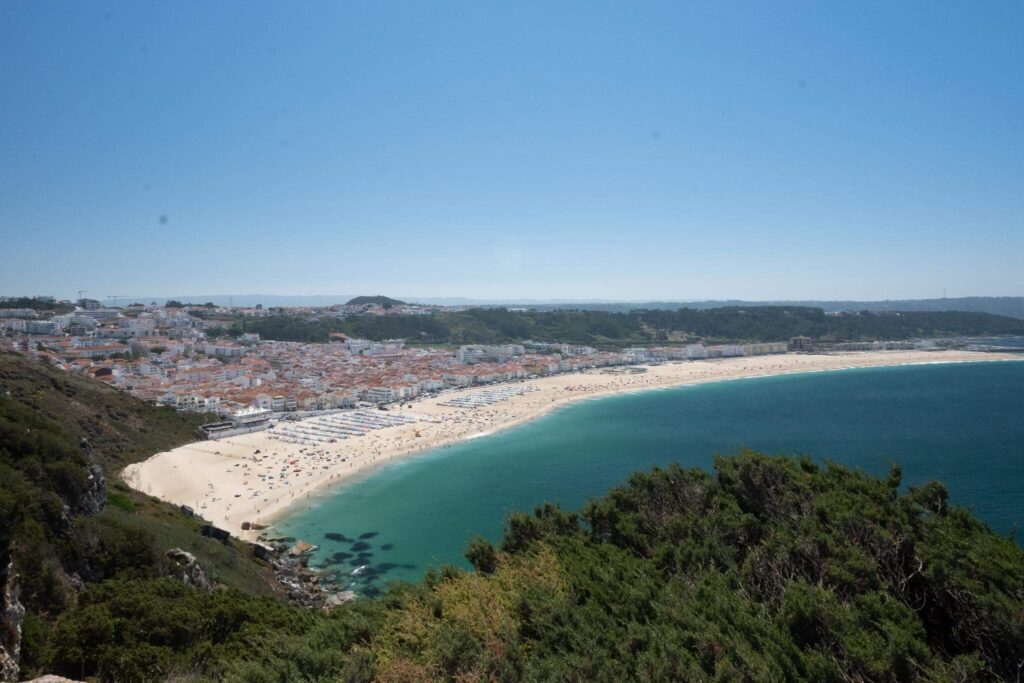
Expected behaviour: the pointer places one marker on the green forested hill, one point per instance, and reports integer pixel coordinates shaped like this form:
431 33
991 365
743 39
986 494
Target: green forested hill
377 300
1012 306
35 303
766 569
758 323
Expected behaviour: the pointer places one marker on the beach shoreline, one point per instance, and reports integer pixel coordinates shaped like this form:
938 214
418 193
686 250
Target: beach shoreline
257 478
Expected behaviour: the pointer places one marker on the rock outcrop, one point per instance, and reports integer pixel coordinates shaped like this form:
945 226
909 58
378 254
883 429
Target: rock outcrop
11 614
95 498
338 599
301 548
188 569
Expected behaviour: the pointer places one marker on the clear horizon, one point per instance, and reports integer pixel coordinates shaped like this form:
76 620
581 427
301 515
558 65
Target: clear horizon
641 152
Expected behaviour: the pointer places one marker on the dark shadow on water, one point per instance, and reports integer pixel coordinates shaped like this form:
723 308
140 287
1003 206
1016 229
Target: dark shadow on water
354 568
334 558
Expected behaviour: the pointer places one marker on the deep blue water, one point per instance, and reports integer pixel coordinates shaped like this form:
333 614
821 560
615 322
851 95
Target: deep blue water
962 424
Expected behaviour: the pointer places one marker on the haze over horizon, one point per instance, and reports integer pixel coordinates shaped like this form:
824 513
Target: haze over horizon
597 152
315 300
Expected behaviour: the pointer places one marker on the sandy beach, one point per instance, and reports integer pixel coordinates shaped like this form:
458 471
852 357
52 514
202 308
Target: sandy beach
258 478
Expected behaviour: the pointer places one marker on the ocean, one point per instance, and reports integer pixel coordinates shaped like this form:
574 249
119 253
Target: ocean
962 424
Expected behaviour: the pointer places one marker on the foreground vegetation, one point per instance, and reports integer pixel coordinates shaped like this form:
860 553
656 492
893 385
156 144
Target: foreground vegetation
757 323
766 569
61 436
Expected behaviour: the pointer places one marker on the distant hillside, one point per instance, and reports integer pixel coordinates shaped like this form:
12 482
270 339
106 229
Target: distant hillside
1012 306
377 300
753 323
34 303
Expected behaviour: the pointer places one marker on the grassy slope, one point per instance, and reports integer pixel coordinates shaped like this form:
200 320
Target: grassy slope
122 430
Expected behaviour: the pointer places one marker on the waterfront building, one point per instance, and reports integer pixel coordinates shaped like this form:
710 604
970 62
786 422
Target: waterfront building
765 349
695 352
243 421
635 355
801 344
725 351
379 395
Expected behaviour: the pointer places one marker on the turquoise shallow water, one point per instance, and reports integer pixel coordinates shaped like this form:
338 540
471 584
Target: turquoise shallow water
962 424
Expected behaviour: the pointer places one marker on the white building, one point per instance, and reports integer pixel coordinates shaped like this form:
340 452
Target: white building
357 346
477 353
103 315
18 313
250 417
379 394
223 350
765 349
696 352
388 347
730 350
635 355
49 327
141 326
572 350
431 385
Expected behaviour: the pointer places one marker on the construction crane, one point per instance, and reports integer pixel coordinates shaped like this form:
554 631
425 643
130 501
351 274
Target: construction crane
80 293
114 297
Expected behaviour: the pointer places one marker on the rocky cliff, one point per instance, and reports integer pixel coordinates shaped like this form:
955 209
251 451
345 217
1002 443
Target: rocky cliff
11 614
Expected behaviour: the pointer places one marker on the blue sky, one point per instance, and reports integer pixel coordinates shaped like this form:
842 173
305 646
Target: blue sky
500 150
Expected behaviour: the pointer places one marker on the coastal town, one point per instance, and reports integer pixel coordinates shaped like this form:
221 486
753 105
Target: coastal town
164 354
169 354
